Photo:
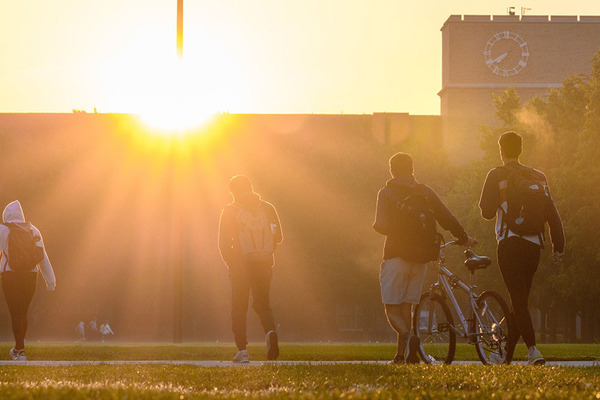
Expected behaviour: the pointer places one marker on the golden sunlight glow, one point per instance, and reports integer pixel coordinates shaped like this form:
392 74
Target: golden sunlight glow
171 95
181 100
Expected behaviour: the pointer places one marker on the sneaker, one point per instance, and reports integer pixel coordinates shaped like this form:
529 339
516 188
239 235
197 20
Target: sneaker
272 345
21 356
398 359
14 354
495 359
412 350
536 358
242 357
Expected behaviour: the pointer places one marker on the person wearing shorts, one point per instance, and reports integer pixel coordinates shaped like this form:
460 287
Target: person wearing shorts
401 279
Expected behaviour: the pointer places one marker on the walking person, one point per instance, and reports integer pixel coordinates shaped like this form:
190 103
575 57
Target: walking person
23 255
80 332
407 214
105 330
519 198
93 333
249 232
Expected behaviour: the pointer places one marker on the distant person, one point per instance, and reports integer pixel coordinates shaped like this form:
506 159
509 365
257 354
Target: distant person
105 330
23 255
249 232
519 198
81 331
93 333
407 214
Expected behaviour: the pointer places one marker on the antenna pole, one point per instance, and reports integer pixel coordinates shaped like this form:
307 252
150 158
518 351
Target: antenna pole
180 28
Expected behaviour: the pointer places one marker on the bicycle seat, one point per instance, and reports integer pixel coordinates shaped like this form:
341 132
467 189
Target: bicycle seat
475 262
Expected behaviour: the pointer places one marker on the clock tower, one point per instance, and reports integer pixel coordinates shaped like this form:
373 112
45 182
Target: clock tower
483 54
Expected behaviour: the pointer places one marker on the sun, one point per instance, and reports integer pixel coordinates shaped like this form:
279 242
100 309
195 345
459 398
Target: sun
180 98
174 96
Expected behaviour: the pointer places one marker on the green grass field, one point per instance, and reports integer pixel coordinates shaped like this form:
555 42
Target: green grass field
352 381
289 351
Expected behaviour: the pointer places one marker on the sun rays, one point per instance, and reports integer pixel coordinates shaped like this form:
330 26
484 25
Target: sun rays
125 206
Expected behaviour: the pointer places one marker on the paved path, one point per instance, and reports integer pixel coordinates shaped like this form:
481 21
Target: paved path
254 363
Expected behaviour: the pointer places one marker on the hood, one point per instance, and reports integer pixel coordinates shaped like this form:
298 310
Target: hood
248 200
13 212
402 181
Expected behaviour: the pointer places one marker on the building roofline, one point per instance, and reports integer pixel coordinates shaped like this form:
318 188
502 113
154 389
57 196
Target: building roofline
456 18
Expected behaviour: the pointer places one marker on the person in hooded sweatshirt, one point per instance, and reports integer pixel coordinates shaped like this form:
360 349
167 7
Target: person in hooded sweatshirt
19 286
401 274
249 232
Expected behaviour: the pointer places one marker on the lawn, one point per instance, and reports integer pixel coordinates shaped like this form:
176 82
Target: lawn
356 381
289 351
278 381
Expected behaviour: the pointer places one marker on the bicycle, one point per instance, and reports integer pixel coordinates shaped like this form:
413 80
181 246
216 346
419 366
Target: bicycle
487 327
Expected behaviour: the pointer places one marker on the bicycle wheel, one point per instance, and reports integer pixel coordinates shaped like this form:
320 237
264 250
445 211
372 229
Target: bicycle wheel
492 328
432 323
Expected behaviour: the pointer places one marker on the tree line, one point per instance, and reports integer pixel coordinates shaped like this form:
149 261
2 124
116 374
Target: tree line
561 136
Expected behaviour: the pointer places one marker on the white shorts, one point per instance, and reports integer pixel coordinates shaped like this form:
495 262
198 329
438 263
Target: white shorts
401 281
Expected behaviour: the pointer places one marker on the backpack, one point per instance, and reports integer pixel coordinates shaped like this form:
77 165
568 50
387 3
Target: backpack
416 225
254 231
527 196
23 252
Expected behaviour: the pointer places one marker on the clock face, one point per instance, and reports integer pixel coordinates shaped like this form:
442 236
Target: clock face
506 53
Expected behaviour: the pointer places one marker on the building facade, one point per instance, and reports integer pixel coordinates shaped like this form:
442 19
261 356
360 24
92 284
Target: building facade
483 54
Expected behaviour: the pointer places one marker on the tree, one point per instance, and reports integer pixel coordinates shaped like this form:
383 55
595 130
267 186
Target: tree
560 135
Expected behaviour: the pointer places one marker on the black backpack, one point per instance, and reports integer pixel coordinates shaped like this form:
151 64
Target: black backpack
416 225
527 196
23 252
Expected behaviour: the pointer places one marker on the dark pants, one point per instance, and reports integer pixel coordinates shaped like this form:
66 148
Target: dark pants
19 288
518 260
252 276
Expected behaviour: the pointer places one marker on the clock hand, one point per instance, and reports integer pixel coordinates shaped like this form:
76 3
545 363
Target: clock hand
500 58
497 59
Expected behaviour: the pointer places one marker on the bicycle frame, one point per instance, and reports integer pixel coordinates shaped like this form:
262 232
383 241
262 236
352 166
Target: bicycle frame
448 282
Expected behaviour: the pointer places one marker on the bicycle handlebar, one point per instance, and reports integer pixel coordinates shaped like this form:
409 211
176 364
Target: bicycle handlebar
448 243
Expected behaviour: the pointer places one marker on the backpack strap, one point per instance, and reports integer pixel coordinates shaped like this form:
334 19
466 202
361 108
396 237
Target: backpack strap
403 191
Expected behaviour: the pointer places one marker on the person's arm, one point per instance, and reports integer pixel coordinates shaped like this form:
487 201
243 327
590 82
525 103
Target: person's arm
278 235
382 214
490 196
45 267
446 220
273 218
557 233
226 231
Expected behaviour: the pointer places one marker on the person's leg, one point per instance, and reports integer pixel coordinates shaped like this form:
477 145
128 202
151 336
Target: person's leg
260 276
240 291
401 284
29 286
399 318
518 260
19 289
12 295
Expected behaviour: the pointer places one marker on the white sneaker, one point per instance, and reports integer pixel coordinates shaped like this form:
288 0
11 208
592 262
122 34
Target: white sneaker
242 357
21 356
536 358
495 359
272 345
17 355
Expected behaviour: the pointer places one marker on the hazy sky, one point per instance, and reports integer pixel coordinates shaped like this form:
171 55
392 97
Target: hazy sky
262 56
